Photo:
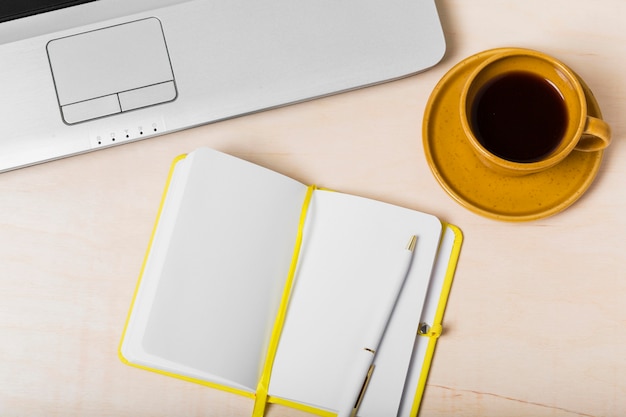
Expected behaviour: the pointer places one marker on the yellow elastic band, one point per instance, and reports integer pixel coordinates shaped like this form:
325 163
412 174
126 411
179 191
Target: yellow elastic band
441 307
260 400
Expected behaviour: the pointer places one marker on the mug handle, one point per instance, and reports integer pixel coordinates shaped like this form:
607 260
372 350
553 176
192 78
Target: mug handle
596 135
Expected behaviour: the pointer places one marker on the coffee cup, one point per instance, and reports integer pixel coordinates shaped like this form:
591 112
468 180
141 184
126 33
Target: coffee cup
523 112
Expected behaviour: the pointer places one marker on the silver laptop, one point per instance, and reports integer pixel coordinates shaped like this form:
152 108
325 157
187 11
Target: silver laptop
106 72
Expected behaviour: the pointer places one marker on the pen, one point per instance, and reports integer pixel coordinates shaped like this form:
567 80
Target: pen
363 371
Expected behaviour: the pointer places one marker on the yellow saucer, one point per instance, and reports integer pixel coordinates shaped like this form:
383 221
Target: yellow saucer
479 189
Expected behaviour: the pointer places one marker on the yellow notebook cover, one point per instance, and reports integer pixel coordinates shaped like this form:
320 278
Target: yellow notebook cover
289 256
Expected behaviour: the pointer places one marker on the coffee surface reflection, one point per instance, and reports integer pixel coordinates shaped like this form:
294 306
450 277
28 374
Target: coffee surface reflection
519 116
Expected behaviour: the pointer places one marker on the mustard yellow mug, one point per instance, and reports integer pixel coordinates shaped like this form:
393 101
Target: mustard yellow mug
524 112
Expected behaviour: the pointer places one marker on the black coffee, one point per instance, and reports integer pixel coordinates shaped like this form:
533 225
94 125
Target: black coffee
519 116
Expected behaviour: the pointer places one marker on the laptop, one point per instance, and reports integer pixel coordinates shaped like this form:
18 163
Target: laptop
77 76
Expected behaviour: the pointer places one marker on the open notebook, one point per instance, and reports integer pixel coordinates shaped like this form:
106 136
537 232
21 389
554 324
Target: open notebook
258 284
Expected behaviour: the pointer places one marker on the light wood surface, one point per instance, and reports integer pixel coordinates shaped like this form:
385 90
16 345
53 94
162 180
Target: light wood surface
536 321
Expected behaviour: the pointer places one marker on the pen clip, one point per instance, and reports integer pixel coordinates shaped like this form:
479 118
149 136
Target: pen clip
359 399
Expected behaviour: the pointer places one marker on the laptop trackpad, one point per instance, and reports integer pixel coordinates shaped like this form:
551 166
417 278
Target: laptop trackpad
111 70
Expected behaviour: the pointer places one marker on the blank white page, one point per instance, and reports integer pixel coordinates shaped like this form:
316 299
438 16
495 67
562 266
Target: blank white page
218 263
351 247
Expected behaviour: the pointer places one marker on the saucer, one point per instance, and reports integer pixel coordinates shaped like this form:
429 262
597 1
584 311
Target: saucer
481 190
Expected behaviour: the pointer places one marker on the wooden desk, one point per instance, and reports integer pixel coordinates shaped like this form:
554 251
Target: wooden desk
536 322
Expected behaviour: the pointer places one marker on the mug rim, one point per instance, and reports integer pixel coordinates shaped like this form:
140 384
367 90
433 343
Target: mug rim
514 167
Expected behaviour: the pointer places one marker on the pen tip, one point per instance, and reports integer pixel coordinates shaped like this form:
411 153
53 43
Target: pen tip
411 245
